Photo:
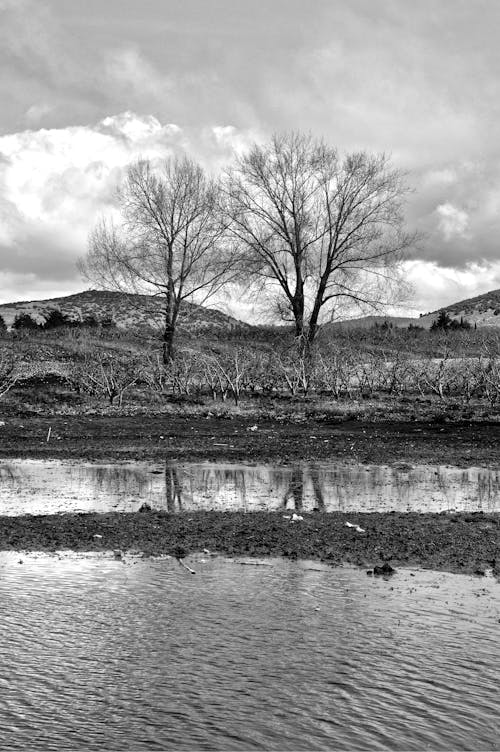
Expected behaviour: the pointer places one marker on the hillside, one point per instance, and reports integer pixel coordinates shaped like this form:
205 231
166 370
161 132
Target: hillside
367 322
136 312
483 311
126 311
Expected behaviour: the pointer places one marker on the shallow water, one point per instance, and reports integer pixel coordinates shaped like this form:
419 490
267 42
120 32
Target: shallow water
43 487
140 655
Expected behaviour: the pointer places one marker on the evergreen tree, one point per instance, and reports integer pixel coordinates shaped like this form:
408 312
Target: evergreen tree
56 318
25 321
443 321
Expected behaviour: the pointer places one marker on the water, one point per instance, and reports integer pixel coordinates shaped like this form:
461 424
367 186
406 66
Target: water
140 655
42 487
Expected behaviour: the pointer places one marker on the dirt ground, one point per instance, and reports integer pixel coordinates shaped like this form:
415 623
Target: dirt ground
454 542
122 437
467 543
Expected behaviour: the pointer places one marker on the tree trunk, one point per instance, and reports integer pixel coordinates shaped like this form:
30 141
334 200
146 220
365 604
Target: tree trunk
168 343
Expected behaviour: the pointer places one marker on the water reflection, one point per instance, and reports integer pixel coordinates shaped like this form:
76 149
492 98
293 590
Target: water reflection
173 488
37 487
291 656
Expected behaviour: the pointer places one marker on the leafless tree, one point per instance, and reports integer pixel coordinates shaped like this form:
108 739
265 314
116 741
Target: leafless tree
232 366
317 229
10 371
106 375
170 240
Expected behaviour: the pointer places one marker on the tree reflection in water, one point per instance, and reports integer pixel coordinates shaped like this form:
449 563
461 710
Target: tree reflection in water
238 487
299 478
42 487
118 479
173 488
8 472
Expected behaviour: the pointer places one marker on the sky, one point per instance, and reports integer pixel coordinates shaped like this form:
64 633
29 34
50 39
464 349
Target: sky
89 86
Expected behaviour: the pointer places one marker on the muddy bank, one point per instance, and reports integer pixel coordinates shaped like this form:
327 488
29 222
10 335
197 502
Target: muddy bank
452 542
121 437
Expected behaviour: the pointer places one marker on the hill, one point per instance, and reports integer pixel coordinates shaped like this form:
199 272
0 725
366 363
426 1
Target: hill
482 310
367 322
127 311
136 312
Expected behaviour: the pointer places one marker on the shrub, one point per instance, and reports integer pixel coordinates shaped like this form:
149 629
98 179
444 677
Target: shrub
56 318
25 321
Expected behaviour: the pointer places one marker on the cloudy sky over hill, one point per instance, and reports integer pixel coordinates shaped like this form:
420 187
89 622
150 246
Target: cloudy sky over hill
86 87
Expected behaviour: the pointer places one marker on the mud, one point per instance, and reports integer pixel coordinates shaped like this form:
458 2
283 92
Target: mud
453 542
467 543
122 437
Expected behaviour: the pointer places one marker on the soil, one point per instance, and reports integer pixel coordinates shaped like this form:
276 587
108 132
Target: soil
453 542
467 543
125 437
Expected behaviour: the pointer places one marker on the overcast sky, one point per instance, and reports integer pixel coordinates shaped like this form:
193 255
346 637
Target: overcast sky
89 85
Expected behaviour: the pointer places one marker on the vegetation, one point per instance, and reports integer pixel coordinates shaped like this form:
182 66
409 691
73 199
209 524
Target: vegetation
81 368
317 230
55 318
25 321
310 228
171 241
445 322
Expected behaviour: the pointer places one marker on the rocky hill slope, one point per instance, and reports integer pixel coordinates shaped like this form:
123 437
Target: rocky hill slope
131 312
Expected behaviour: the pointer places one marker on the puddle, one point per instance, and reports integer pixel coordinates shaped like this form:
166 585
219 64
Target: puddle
138 654
52 486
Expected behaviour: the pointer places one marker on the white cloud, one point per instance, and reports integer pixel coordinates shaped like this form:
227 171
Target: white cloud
435 286
54 184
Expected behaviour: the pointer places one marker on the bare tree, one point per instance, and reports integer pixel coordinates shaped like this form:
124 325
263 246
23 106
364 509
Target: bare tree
10 372
169 242
317 229
232 367
106 375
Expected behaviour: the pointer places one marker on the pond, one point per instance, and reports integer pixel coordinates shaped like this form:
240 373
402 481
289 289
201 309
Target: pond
52 486
138 654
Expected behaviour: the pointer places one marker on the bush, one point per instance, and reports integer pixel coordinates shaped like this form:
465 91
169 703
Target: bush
56 318
25 321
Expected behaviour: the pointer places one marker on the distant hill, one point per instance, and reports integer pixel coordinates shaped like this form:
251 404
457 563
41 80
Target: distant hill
367 322
483 310
136 312
126 311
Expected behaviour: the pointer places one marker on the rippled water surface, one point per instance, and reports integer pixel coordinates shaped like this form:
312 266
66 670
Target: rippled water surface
140 655
41 487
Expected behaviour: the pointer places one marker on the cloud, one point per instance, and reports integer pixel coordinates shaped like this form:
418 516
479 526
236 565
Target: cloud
55 183
435 286
452 222
37 112
128 69
456 207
